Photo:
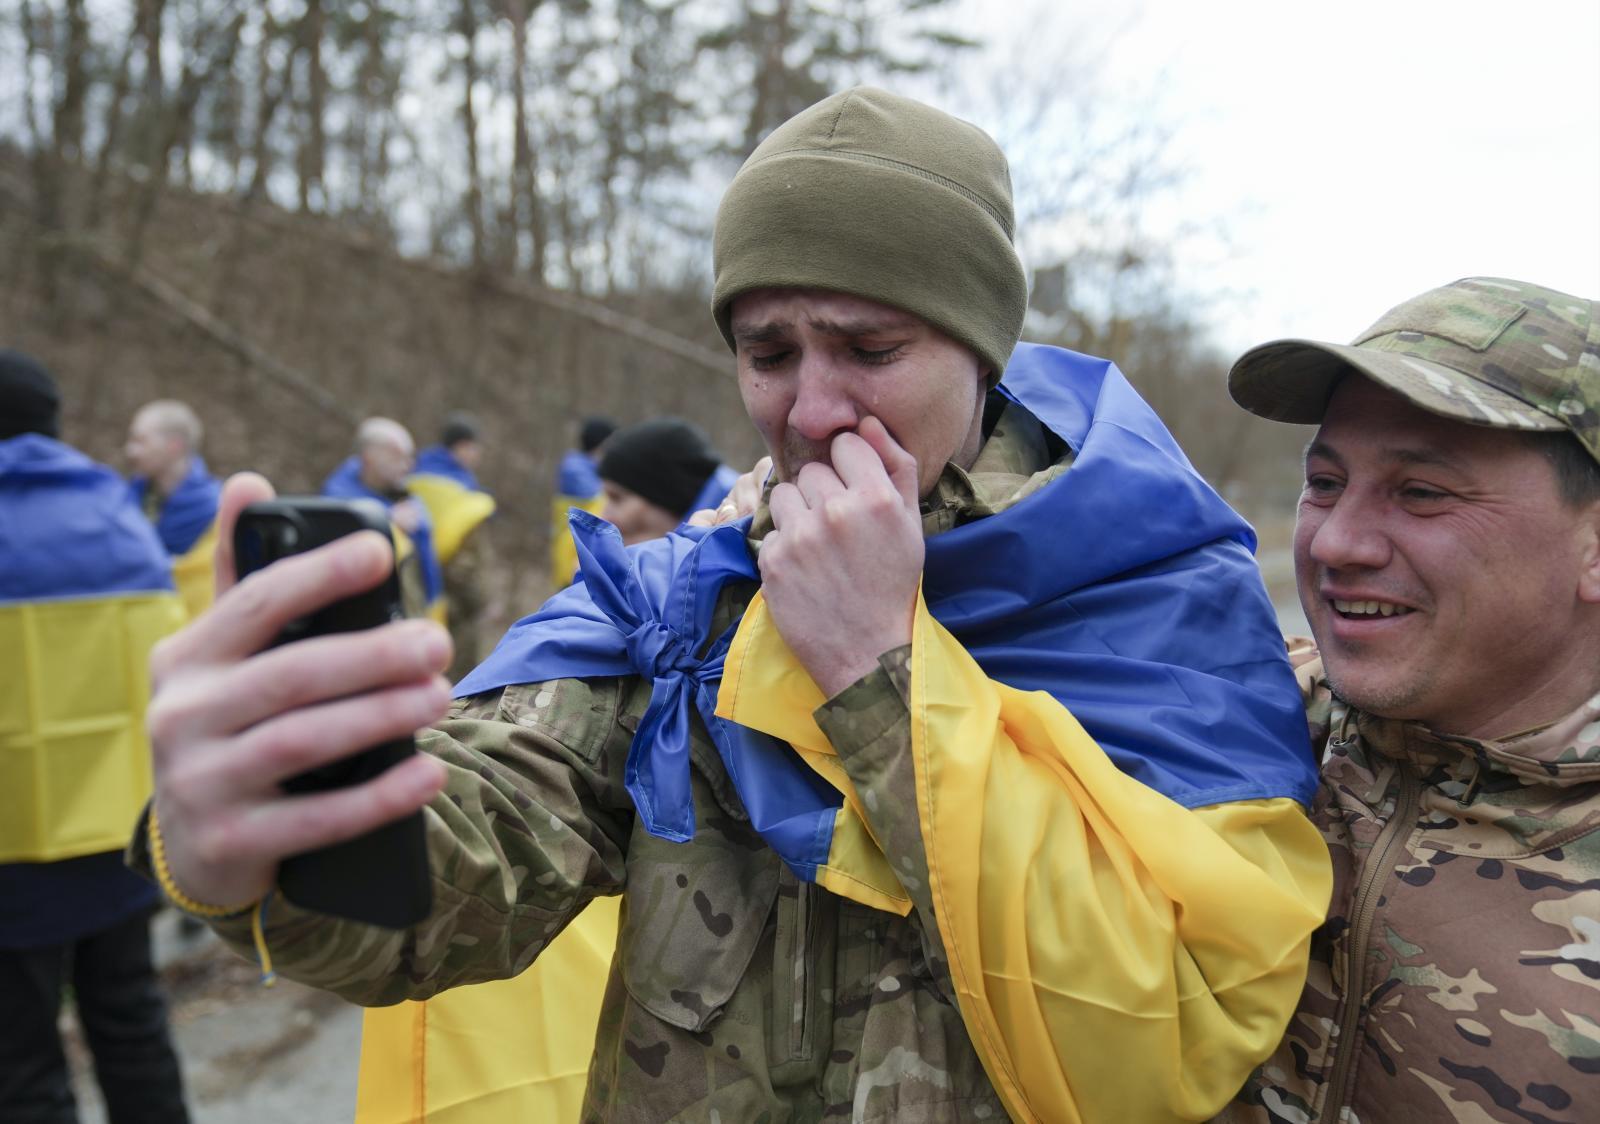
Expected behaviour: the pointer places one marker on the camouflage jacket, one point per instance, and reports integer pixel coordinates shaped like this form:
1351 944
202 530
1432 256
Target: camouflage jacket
738 992
1458 975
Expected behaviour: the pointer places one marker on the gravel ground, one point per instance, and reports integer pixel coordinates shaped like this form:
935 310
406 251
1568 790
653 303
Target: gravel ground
250 1054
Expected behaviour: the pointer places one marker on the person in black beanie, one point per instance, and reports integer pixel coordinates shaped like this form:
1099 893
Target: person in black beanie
29 400
653 473
82 570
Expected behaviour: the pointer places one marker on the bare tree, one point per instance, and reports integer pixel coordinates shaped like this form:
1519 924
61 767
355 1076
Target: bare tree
313 145
467 27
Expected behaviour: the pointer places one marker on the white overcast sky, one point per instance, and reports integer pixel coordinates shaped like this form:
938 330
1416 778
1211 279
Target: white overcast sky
1359 152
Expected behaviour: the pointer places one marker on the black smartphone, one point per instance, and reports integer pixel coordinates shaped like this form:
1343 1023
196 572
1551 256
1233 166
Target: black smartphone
382 877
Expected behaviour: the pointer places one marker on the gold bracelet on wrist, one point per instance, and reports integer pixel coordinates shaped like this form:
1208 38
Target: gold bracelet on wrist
158 860
169 887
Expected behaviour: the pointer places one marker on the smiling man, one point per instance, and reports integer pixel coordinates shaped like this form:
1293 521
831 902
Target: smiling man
963 780
1448 556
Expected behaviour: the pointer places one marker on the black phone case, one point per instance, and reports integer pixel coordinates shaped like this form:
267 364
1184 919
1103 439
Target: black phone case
382 877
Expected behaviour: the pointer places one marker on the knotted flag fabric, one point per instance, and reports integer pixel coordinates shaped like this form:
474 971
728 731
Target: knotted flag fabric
1124 588
345 483
189 511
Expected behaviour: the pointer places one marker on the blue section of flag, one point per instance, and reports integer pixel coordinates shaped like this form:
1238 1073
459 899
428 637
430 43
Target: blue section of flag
190 509
345 484
577 476
436 460
70 528
715 489
1125 589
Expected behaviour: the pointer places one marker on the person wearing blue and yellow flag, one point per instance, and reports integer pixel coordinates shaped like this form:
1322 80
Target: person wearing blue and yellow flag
377 470
963 781
446 481
85 590
177 493
577 486
536 1031
655 474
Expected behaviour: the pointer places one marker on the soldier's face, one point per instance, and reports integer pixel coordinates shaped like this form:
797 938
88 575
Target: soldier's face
636 518
386 464
814 364
1444 577
150 449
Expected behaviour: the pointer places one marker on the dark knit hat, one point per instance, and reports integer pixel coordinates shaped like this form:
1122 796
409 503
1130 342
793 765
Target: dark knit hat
881 197
665 460
459 426
29 400
594 431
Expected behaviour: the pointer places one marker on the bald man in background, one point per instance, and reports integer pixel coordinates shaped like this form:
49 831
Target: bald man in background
177 493
384 456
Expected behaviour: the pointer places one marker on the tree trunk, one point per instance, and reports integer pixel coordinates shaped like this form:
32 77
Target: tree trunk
116 115
270 88
313 141
46 169
525 209
469 123
197 69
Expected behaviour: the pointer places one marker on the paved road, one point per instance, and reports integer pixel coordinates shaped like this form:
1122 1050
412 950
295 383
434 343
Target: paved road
251 1054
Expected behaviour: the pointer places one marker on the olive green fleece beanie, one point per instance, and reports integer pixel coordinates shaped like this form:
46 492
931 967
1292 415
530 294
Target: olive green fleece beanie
882 197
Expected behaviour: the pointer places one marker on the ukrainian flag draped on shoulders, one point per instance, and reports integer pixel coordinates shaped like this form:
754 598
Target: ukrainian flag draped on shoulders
186 525
457 503
577 486
1109 747
85 591
345 483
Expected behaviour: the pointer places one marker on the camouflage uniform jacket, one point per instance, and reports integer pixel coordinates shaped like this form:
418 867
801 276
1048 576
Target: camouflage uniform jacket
1458 975
738 993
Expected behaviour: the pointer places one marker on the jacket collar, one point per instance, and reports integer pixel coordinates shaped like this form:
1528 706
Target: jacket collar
1566 752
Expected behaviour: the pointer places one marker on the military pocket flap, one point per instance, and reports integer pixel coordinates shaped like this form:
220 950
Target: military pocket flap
696 913
579 714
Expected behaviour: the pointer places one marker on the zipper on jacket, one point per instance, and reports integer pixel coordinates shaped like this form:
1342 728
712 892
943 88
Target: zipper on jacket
802 952
1364 908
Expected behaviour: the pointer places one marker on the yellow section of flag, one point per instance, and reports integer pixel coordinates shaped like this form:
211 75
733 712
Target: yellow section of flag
74 758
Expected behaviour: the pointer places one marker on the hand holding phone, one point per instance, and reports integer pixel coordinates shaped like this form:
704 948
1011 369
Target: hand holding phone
380 877
232 717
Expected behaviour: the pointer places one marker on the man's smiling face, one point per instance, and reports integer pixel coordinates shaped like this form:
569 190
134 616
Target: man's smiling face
813 364
1439 567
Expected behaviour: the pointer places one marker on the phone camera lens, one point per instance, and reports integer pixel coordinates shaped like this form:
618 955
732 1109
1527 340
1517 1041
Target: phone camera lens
252 549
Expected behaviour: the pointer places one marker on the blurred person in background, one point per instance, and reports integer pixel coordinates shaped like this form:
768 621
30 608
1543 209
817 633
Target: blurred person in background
577 485
655 474
176 492
85 591
377 470
1447 551
459 508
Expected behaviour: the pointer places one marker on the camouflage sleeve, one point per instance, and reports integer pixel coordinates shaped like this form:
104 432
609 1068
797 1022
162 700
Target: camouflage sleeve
869 726
532 824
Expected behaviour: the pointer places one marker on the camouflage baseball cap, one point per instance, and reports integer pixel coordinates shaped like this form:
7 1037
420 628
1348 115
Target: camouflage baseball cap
1483 350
